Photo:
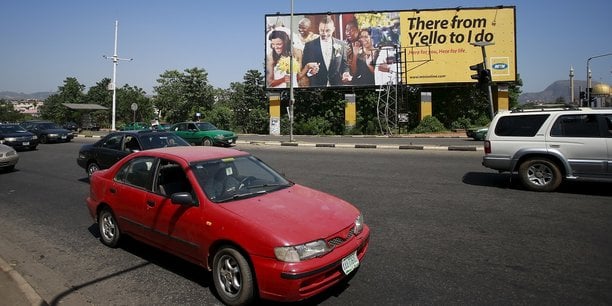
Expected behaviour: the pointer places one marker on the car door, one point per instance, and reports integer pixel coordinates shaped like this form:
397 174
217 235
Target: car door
607 126
180 225
130 193
579 138
110 151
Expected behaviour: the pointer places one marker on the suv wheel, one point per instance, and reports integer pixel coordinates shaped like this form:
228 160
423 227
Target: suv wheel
540 174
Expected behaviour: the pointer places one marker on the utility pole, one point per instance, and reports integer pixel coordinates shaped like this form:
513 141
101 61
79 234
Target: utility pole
115 59
482 45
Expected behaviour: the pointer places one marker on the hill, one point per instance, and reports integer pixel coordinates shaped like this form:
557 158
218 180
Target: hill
18 96
556 90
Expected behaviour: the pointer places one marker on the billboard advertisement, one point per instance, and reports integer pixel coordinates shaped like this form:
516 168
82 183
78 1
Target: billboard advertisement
413 47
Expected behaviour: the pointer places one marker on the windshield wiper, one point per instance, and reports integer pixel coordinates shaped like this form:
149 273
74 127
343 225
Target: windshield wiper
267 185
242 196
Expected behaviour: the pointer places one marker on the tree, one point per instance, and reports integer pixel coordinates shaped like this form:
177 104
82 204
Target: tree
128 95
8 112
99 94
181 95
248 98
71 92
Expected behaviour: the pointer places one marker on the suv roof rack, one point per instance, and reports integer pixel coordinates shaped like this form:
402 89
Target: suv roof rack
545 107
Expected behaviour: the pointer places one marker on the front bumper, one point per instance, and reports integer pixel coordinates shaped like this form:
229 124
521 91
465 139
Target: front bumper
288 282
9 161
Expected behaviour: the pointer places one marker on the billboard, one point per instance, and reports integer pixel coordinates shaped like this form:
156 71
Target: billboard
414 47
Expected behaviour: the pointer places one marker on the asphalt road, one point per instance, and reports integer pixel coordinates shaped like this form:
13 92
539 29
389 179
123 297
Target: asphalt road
445 230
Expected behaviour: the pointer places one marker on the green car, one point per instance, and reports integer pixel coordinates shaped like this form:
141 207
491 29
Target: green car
477 133
136 126
203 133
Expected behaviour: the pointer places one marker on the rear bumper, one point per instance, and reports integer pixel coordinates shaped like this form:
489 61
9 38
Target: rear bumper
500 163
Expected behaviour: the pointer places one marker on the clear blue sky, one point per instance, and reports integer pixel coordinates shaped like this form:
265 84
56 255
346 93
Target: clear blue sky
44 42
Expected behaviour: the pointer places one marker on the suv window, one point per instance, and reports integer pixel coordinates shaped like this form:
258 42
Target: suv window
580 125
520 126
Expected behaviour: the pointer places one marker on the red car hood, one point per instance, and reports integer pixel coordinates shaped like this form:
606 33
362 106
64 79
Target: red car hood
296 214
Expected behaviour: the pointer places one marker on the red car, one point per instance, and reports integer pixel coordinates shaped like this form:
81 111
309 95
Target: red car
225 210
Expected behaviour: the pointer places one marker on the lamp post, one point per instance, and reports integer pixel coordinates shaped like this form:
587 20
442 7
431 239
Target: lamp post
482 45
588 91
115 59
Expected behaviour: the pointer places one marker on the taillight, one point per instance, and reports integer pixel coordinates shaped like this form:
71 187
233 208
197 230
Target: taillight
487 147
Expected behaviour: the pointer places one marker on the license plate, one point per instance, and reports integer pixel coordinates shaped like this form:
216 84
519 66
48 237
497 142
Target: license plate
25 143
63 136
350 263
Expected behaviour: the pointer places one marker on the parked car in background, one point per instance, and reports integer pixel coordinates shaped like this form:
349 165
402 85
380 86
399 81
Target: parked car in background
204 133
17 137
161 126
73 127
136 126
47 131
477 133
8 158
115 146
261 235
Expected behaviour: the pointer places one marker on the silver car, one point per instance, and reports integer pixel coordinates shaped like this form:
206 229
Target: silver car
546 146
8 158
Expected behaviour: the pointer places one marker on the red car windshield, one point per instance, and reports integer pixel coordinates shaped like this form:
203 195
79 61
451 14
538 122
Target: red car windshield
235 178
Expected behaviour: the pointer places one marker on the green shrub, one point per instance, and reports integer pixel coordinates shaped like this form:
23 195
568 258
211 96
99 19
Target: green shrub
429 124
313 126
461 123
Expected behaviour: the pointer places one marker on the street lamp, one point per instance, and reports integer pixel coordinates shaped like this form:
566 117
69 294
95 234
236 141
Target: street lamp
588 92
482 45
115 59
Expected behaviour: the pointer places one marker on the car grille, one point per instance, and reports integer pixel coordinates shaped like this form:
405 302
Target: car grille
24 138
338 240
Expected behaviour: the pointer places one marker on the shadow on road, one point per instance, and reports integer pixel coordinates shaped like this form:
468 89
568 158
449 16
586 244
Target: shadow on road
507 180
190 271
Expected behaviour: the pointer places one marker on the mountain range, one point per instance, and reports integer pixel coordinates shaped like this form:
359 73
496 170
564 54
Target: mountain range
556 90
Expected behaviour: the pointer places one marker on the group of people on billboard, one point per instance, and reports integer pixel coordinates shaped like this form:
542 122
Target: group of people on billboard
332 50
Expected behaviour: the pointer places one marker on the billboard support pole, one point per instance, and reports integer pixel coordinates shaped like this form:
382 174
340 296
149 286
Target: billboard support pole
291 97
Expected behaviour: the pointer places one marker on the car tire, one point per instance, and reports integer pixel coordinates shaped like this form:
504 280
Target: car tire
91 168
43 139
233 278
540 174
207 142
110 234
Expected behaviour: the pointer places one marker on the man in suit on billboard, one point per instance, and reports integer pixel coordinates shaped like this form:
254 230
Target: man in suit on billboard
324 60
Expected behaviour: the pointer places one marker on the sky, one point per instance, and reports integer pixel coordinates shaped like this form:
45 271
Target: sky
44 42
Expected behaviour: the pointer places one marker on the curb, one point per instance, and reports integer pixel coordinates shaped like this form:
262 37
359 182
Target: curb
360 146
351 146
26 289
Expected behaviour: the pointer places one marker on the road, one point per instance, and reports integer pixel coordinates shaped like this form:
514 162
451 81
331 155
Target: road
445 230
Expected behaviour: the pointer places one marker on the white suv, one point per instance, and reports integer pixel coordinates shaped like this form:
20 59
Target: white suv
546 146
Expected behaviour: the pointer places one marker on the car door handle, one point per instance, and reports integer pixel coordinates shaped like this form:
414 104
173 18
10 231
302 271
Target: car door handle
113 190
150 203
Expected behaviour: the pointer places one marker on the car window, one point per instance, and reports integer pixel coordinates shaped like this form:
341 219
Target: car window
520 126
131 144
608 119
112 142
139 172
206 126
161 140
579 125
171 178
